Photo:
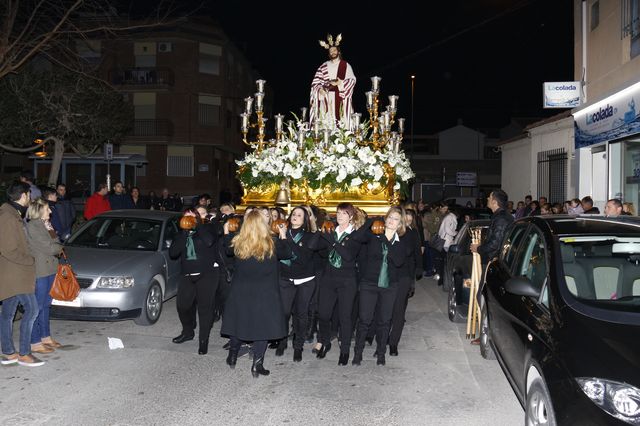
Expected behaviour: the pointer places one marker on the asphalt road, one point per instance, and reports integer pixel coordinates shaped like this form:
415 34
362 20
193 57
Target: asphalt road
438 379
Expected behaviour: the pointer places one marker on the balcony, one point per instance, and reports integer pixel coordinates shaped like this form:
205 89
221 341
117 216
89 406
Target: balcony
149 77
151 129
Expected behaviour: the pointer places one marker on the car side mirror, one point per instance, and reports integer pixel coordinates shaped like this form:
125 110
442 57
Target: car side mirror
522 286
454 249
167 243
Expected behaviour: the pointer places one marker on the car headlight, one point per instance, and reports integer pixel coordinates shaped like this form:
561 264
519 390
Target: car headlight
115 282
621 400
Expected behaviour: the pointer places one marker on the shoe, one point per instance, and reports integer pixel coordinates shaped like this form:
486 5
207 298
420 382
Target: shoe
357 359
436 277
322 352
29 361
393 350
51 343
226 345
204 347
369 340
297 355
257 369
40 348
9 359
273 344
316 348
344 359
475 342
182 338
232 358
381 360
282 345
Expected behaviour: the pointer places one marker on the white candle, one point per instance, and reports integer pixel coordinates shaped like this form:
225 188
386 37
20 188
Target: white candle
260 85
259 98
279 120
326 138
375 84
355 120
245 121
247 105
369 96
401 125
303 114
393 102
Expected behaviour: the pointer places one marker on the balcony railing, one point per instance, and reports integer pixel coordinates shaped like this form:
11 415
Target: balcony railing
152 128
150 76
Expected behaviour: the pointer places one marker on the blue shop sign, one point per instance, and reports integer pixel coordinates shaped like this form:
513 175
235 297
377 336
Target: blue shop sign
612 118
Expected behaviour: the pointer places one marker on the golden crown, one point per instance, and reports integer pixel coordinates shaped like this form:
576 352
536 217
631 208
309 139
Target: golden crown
330 41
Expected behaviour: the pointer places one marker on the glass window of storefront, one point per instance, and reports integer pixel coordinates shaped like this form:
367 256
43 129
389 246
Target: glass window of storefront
624 170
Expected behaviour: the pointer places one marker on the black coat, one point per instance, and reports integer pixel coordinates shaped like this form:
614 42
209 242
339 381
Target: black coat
500 221
254 310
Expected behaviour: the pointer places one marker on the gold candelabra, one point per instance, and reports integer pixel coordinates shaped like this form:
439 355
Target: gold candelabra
260 122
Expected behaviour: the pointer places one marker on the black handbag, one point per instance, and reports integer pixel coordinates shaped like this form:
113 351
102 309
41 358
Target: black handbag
436 242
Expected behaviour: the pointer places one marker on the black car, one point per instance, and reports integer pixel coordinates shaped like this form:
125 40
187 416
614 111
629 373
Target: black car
561 312
457 268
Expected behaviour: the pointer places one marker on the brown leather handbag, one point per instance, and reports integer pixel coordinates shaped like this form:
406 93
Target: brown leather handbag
65 286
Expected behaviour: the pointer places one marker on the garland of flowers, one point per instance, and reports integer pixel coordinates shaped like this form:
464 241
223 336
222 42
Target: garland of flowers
341 164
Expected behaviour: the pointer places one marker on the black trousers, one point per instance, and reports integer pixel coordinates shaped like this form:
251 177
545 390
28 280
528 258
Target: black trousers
296 300
199 290
341 290
400 309
259 347
374 298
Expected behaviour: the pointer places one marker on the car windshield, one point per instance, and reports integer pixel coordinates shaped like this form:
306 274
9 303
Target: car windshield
603 271
118 234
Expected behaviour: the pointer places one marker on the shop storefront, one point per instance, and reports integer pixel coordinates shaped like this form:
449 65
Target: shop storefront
607 141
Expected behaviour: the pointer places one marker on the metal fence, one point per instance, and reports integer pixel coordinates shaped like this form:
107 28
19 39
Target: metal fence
552 175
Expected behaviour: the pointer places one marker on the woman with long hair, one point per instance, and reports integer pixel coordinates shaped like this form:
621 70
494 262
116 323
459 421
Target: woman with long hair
297 279
195 245
407 274
339 282
45 247
385 255
254 311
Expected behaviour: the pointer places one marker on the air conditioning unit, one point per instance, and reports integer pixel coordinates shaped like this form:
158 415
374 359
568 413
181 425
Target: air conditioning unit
164 46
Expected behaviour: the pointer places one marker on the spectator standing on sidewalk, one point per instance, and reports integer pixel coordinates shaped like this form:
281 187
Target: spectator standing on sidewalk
17 281
118 199
27 177
97 203
45 247
431 225
587 205
66 212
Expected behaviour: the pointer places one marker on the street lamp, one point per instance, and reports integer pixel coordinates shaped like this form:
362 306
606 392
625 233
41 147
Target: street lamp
413 81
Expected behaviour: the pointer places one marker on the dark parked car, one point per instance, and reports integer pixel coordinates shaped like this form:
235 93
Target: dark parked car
561 312
457 268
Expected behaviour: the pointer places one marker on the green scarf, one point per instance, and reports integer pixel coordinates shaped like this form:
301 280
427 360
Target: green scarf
191 249
383 279
334 258
296 240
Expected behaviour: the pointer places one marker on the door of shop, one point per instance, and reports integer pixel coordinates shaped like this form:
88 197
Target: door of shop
599 182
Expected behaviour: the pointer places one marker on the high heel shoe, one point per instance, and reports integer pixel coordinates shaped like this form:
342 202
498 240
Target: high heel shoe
232 358
204 347
344 359
323 351
257 369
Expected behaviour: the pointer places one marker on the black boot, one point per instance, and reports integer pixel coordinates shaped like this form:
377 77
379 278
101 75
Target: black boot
204 347
257 369
393 350
344 359
297 355
282 345
381 360
323 351
232 358
357 358
183 337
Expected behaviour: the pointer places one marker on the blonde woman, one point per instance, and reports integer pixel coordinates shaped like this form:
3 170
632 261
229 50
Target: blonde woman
254 311
628 209
45 247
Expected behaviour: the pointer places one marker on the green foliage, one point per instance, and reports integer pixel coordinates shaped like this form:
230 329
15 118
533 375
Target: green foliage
55 102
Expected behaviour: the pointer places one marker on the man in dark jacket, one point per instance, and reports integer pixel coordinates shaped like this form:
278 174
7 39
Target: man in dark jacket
65 211
118 199
587 205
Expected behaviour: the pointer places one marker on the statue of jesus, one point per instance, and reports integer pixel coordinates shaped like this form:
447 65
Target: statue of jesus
332 86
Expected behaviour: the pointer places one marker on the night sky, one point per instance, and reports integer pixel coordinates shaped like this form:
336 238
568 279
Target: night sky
483 61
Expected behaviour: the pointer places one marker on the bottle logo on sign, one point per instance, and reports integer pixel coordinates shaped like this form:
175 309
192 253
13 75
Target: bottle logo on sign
601 114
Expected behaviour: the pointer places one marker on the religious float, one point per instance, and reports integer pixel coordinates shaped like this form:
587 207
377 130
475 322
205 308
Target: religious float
330 155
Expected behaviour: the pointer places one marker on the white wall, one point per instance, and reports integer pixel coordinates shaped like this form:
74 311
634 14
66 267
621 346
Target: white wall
516 169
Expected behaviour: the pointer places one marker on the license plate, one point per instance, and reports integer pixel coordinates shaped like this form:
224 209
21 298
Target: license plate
75 303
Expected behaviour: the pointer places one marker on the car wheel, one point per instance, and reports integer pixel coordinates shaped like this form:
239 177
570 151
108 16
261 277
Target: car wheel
152 306
485 341
539 410
452 305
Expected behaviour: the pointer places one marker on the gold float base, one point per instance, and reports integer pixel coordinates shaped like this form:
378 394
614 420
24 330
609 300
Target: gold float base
375 201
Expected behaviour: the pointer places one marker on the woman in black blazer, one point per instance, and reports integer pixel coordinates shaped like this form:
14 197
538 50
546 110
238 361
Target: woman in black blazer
385 255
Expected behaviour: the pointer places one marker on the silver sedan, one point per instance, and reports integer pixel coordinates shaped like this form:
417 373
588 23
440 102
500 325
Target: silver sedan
122 263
